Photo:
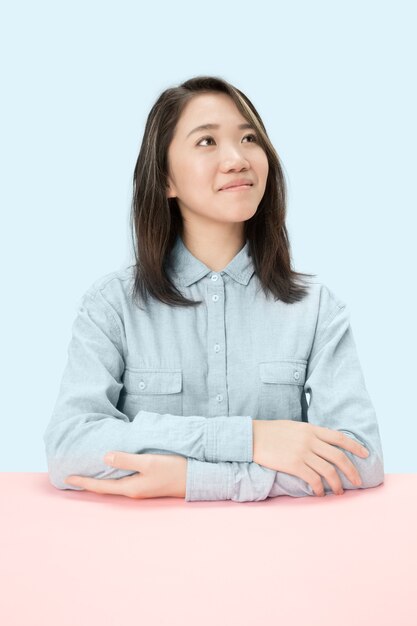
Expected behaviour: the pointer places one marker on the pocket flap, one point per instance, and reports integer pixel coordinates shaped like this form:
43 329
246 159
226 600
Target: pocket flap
143 381
287 372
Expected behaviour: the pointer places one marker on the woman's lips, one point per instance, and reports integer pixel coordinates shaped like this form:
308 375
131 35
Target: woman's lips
238 188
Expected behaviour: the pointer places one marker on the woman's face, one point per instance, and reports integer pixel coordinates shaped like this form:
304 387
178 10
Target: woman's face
202 161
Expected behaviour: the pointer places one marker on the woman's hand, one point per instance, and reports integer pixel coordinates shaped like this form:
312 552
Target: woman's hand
303 450
158 475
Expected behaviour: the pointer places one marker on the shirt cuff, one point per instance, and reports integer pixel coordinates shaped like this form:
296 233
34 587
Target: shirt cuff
208 481
230 439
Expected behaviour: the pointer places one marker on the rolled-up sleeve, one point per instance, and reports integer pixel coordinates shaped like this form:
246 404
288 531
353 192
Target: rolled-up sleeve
338 399
86 423
241 482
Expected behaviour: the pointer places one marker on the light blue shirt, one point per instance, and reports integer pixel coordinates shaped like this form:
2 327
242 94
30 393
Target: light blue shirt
190 380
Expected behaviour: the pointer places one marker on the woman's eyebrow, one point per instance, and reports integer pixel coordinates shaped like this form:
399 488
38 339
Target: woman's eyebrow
212 126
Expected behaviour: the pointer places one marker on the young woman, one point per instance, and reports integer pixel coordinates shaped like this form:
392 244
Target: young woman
193 366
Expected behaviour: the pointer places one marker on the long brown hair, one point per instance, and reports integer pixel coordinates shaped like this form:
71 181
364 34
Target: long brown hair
156 220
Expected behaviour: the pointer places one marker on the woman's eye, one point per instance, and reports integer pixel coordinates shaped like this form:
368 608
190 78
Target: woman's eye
254 137
204 139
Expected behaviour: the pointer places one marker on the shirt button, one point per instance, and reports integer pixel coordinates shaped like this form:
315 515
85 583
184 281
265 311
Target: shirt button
214 277
142 385
296 375
216 347
219 397
215 298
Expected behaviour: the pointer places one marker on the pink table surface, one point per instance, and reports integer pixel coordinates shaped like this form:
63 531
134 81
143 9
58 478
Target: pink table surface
78 558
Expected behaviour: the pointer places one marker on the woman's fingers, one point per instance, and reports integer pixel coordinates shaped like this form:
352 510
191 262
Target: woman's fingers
154 476
127 486
127 461
337 438
312 478
340 459
327 471
110 485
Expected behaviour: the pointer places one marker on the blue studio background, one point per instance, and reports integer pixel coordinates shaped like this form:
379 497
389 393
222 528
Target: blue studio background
335 85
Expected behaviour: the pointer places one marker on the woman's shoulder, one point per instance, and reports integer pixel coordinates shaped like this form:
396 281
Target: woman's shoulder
322 297
112 286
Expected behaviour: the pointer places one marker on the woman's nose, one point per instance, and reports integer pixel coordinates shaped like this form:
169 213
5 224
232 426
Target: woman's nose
233 158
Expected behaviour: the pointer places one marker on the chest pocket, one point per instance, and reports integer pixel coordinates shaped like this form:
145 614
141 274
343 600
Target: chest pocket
281 386
156 390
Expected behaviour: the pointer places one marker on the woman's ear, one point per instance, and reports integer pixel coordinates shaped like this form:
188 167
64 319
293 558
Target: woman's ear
171 192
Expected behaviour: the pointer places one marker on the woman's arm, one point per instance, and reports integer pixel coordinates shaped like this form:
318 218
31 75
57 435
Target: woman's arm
86 424
338 400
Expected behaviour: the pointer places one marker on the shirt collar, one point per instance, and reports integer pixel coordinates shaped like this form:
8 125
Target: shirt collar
186 269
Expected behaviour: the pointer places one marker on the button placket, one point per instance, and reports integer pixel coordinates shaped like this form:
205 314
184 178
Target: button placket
216 337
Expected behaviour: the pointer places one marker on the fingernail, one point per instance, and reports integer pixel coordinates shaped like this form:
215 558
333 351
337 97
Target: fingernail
109 458
365 452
